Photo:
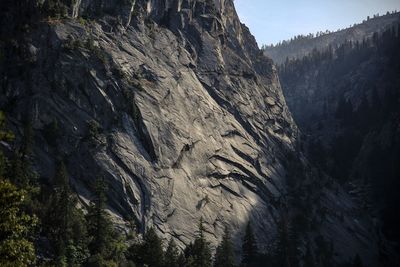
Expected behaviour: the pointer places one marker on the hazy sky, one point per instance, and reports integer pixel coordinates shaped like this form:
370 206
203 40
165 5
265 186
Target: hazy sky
271 21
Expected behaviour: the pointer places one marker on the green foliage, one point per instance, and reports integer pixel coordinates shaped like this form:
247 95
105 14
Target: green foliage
18 169
118 72
224 256
16 248
83 21
91 45
93 130
149 252
105 244
20 173
132 108
55 8
171 258
97 260
72 44
16 226
5 135
198 253
201 249
65 224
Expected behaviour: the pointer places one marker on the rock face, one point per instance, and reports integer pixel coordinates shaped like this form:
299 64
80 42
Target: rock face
174 104
191 119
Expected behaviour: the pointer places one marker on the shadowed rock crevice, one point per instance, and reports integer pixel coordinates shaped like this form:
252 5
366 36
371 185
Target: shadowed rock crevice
144 198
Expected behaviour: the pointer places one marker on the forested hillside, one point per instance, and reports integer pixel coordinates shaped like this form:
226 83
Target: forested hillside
346 101
302 45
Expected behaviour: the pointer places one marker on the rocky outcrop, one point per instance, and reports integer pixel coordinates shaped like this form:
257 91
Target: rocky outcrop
187 126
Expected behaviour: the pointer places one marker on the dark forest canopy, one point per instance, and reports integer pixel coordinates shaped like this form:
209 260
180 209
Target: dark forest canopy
349 114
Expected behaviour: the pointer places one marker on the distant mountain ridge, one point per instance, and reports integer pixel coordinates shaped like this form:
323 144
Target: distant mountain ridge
303 45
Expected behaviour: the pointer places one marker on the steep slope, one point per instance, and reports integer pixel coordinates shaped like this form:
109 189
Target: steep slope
182 121
174 104
347 104
304 45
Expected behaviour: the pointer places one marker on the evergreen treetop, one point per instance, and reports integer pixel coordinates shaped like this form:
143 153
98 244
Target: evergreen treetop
224 256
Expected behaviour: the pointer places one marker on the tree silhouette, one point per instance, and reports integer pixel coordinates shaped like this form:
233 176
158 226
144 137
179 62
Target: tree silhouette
224 256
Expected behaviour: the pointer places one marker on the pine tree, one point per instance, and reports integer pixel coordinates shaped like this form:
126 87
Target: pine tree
16 227
187 256
16 249
172 255
224 256
181 259
99 224
19 170
149 252
5 136
105 244
249 247
152 252
65 223
201 249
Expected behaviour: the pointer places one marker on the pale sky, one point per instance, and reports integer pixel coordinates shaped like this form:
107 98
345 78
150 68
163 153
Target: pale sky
271 21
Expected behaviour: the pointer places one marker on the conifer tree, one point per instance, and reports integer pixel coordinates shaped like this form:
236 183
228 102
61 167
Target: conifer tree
249 247
16 249
187 256
172 255
5 136
105 244
149 252
152 252
18 169
16 227
65 223
201 249
98 221
224 256
181 259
